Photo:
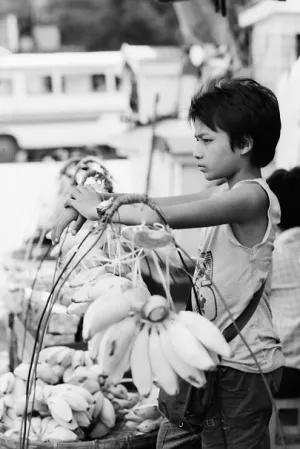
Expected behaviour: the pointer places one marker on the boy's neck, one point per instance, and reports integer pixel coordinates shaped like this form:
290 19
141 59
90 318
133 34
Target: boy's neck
244 175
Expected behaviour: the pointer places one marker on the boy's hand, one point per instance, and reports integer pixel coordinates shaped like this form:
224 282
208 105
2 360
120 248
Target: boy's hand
85 200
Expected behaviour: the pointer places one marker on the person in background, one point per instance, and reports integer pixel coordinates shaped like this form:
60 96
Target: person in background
285 289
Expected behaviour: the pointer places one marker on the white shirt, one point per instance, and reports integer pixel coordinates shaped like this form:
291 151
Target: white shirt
285 294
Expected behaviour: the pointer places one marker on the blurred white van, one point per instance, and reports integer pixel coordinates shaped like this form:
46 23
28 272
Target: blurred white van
59 100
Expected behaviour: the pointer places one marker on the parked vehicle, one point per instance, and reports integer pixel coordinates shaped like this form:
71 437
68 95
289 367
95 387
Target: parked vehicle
59 100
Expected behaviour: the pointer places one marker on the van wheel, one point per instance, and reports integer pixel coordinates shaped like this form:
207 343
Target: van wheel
8 149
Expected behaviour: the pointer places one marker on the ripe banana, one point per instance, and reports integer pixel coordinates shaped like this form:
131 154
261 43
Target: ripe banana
104 312
59 371
131 416
77 308
82 419
119 391
75 400
9 400
87 276
81 296
45 372
60 434
19 388
139 361
190 350
91 385
162 371
206 332
93 345
63 357
68 387
131 424
68 374
189 373
114 343
22 371
107 414
2 408
117 375
46 353
149 425
77 359
7 382
147 411
71 425
99 400
60 408
36 425
99 431
108 284
87 360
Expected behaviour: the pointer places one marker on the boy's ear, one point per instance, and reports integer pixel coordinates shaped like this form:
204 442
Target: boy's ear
246 144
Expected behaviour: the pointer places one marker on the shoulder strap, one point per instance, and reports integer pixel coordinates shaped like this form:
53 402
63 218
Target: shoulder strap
231 332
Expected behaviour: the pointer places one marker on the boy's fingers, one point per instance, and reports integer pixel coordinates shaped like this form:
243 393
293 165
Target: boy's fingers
78 224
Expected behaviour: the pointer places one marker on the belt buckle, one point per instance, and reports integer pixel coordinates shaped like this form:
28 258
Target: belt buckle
210 422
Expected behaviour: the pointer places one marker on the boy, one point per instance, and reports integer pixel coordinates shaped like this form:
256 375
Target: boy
237 127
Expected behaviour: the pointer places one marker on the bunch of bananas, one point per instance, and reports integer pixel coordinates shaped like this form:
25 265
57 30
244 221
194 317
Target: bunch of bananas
137 331
83 406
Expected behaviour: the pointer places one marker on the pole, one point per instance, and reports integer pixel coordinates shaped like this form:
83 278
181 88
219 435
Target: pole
152 148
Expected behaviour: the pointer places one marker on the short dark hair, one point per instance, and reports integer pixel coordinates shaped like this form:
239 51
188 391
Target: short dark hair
242 108
286 186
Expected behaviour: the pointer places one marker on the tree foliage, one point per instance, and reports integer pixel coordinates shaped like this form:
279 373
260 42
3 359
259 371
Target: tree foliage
106 24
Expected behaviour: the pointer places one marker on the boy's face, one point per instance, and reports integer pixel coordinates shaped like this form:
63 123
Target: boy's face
214 155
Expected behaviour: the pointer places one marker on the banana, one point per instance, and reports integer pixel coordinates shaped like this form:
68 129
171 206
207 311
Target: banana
78 308
115 342
109 284
91 385
58 406
149 425
205 332
132 425
60 434
119 391
22 371
2 408
45 372
82 419
12 434
19 388
7 382
190 350
117 375
131 416
78 389
9 400
99 399
11 413
140 364
133 399
8 423
59 371
104 312
51 351
161 369
87 360
99 431
68 374
47 424
36 425
87 276
71 425
188 373
81 296
107 414
147 411
156 309
63 358
78 359
75 400
93 345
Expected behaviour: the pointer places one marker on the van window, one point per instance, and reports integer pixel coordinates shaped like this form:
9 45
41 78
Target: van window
78 84
6 87
39 84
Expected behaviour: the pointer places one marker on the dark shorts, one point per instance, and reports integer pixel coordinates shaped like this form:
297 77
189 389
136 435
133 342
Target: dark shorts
237 419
